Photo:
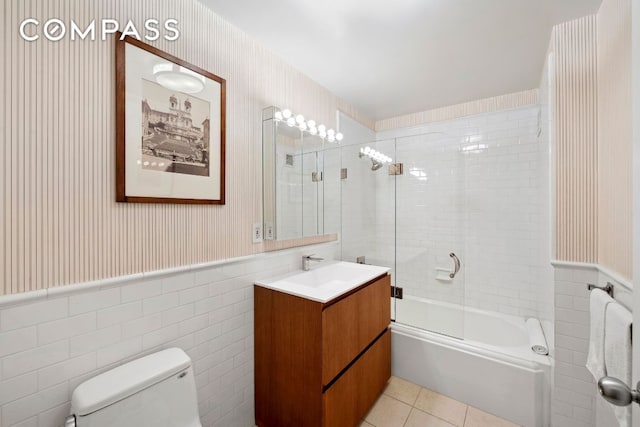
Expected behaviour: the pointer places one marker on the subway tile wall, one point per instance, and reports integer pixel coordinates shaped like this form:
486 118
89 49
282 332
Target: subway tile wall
575 400
574 392
49 346
546 179
476 186
358 193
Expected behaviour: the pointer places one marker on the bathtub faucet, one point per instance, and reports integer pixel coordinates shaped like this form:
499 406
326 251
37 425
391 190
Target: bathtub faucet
306 260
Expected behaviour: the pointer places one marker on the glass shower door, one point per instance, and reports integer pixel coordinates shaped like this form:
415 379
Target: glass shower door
430 234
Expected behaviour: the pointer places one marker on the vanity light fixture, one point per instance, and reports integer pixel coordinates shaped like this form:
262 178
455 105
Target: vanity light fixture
375 155
310 126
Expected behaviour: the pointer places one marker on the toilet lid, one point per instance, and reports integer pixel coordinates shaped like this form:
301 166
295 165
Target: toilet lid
125 380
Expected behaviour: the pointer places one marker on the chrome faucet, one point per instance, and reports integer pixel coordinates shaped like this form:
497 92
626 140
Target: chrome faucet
306 261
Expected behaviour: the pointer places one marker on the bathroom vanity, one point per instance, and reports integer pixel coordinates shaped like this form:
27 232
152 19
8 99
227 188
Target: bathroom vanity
322 345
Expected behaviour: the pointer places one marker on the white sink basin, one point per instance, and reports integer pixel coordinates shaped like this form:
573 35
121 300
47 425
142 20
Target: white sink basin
324 282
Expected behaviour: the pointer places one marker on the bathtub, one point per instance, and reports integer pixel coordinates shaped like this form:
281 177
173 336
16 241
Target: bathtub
490 365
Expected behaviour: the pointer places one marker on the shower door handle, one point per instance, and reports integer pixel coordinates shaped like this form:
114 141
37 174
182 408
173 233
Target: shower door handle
456 266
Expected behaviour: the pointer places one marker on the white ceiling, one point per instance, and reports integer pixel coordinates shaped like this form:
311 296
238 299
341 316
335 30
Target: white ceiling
394 57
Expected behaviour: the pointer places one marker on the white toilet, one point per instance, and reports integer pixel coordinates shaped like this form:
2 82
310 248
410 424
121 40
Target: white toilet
156 390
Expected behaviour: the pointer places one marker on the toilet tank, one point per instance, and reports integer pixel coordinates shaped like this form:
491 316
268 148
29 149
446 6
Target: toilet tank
155 390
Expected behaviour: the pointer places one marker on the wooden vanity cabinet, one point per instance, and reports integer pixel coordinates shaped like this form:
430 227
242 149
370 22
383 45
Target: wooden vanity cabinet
321 364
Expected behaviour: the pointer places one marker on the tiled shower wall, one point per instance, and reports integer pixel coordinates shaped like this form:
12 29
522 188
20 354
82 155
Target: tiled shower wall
545 290
476 186
51 344
358 193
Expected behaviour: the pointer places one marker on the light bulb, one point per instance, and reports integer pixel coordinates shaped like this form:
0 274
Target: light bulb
331 138
367 150
322 134
331 132
339 136
286 113
322 128
291 121
278 115
313 131
311 123
303 126
300 119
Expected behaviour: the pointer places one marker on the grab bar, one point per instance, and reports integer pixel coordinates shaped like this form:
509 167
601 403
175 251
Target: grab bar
456 267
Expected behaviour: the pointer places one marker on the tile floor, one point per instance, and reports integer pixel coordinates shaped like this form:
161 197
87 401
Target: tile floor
405 404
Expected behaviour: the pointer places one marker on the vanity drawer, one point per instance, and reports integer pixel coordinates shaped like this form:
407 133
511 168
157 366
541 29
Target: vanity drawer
355 392
351 324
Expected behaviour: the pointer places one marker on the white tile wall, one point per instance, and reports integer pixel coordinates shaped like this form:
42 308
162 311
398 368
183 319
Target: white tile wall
288 192
489 205
546 178
332 184
48 347
574 390
358 192
575 401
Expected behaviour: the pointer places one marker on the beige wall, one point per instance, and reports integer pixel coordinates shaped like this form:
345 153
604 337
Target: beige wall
574 47
487 105
614 136
60 223
593 128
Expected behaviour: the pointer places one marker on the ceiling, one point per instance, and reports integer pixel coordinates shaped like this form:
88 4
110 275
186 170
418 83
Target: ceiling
394 57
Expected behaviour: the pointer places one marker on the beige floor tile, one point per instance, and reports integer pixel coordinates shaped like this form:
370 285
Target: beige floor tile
365 424
418 418
402 390
478 418
388 412
441 406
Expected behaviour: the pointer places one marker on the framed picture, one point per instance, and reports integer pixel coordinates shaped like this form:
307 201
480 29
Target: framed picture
170 128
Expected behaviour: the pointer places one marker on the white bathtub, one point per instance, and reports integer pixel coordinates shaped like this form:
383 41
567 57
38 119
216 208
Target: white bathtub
491 368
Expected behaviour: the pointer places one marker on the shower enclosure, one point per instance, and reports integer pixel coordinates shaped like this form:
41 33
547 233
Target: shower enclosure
459 211
415 221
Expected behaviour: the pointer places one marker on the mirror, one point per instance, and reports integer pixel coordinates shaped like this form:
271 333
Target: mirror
301 179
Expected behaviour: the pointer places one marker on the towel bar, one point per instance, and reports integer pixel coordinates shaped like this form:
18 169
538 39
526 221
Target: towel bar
608 288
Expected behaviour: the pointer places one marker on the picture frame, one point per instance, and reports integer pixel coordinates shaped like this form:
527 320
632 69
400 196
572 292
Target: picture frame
170 128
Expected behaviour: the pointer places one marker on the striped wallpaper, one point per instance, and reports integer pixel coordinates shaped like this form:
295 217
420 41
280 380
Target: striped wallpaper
576 137
593 133
60 223
496 103
614 136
